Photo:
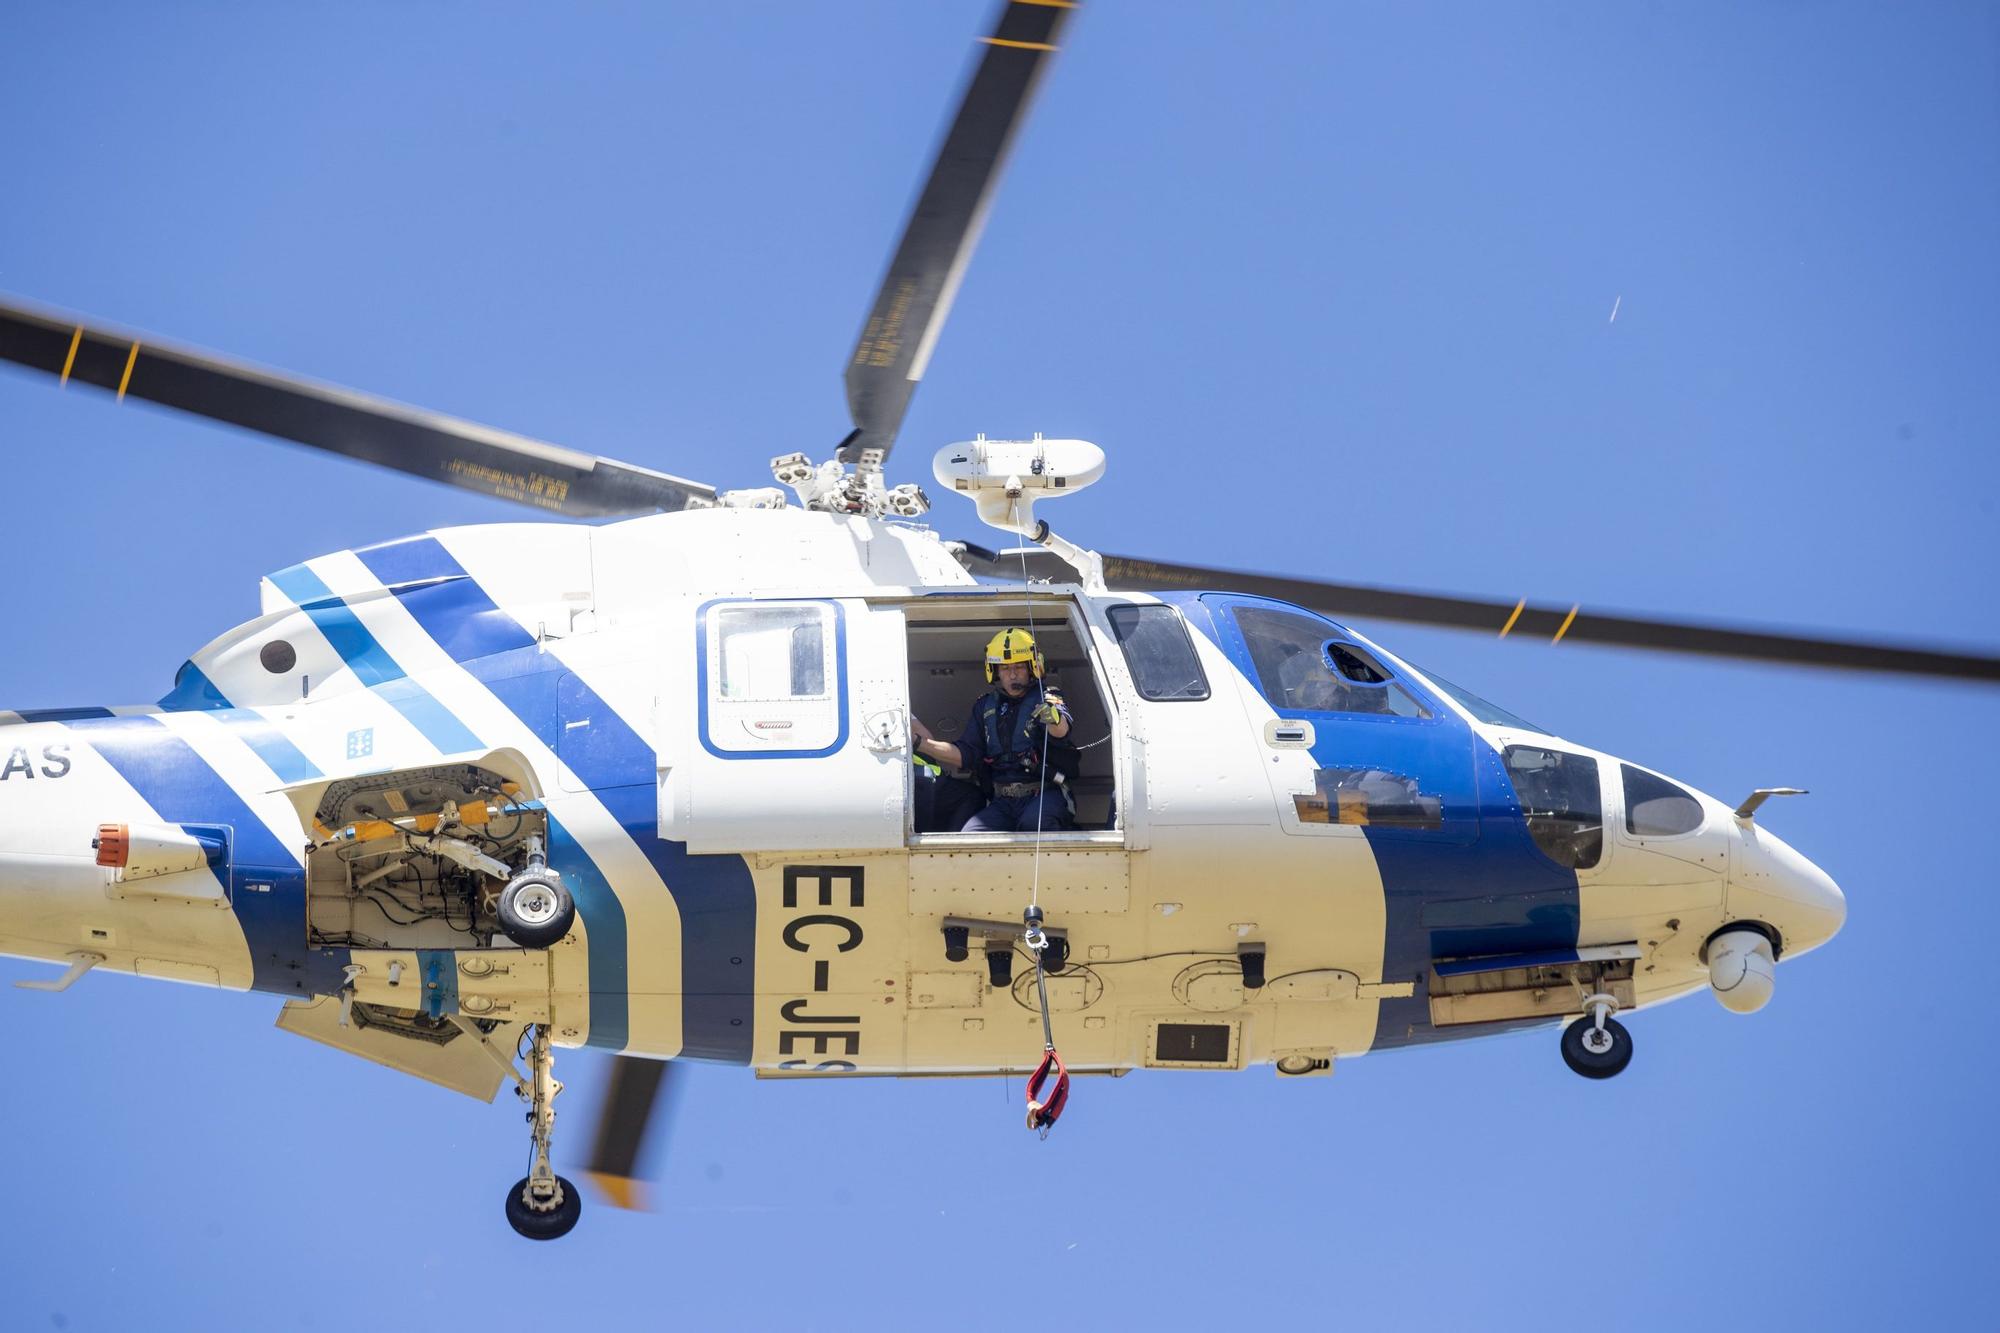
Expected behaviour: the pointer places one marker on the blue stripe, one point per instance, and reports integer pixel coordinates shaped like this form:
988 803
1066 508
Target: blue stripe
437 591
1465 967
179 785
604 925
716 895
438 969
282 757
62 714
372 663
410 560
1477 885
194 692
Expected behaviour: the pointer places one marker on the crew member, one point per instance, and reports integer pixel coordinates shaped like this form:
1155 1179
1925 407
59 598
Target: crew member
1016 742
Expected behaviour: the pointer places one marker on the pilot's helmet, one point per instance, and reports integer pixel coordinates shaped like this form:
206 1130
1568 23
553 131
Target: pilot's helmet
1013 645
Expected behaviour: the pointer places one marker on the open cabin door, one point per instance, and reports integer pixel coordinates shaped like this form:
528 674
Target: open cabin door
788 728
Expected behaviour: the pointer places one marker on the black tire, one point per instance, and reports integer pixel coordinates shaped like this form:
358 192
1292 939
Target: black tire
537 1224
1596 1064
536 910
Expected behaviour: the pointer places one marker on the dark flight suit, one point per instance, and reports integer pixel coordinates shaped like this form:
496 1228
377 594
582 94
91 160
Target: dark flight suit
1002 744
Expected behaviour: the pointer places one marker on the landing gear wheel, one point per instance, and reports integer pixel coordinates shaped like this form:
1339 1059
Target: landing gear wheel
542 1205
536 910
1596 1052
543 1223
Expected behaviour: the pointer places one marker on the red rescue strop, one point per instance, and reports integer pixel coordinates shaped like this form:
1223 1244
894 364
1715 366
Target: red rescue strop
1043 1112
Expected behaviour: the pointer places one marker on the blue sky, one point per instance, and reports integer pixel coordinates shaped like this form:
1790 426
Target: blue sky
1333 285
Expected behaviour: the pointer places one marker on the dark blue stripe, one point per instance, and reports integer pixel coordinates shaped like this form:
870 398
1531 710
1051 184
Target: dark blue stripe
372 663
1498 895
1477 885
180 786
194 692
62 714
604 926
418 559
716 895
1464 967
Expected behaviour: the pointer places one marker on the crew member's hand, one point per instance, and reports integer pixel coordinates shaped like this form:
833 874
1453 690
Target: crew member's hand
1052 710
919 733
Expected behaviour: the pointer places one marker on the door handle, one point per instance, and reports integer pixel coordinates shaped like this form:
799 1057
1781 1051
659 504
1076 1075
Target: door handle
886 732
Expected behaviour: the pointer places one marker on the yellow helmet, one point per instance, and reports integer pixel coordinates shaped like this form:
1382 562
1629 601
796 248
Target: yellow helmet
1013 645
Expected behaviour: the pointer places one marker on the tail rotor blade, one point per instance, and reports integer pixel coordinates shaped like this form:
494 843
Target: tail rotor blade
629 1107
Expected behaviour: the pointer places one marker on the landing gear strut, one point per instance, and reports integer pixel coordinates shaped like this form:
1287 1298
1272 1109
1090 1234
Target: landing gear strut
543 1205
1597 1045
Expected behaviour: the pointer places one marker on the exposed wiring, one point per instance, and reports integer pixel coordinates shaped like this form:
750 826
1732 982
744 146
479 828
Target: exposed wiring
1094 963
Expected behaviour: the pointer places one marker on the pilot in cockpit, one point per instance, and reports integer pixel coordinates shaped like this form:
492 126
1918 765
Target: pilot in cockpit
1016 743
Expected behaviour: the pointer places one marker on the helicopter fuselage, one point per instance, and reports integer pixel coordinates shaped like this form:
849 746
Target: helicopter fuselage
1290 846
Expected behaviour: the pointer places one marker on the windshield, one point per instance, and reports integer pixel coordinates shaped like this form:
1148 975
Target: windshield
1300 665
1482 710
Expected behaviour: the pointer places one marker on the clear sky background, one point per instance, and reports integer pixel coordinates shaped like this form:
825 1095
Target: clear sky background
1333 284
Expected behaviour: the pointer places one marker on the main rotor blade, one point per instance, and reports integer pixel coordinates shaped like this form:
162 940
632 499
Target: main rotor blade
621 1129
340 421
916 293
1556 624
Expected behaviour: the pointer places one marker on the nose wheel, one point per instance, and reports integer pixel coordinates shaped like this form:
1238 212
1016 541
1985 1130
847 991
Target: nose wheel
1597 1045
543 1205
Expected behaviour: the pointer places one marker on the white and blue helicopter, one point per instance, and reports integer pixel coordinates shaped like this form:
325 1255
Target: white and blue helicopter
647 785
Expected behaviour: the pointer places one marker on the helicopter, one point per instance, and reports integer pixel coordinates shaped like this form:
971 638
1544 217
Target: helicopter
384 683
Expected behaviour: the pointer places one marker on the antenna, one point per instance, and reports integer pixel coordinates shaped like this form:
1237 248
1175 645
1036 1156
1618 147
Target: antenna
1004 479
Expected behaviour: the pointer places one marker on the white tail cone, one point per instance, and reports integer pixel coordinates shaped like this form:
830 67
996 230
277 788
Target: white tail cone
1741 970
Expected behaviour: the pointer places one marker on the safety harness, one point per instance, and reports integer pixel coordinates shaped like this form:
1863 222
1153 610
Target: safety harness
1027 738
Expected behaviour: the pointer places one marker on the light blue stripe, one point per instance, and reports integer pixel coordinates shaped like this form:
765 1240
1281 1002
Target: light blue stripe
372 663
429 716
283 758
342 628
194 692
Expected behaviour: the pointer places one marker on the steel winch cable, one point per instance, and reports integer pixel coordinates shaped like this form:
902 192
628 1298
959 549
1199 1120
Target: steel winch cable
1043 1111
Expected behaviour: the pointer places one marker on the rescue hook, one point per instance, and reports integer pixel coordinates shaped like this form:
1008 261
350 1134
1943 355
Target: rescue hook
1044 1111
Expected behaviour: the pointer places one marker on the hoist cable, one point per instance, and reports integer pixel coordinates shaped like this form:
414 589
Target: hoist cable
1042 773
1043 1111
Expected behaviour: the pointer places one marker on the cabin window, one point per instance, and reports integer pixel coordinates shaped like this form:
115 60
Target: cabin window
1299 667
1655 807
1159 653
770 679
771 652
1561 802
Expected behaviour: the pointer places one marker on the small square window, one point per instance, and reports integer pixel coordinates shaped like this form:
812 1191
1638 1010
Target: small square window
771 652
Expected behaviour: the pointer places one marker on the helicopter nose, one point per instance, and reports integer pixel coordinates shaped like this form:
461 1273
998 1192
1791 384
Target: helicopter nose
1770 881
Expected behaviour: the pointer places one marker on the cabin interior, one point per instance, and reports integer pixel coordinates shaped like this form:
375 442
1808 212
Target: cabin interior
947 648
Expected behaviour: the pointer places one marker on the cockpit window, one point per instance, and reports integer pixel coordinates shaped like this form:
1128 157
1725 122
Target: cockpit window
1560 800
1655 807
1489 713
1158 651
1299 666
